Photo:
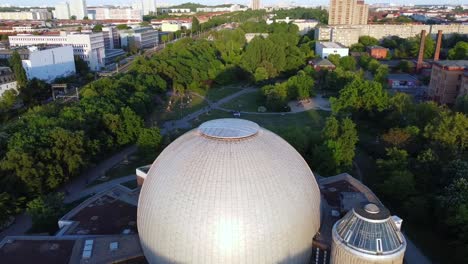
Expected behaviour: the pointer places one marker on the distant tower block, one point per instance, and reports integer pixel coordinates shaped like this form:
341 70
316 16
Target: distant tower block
255 4
438 45
421 51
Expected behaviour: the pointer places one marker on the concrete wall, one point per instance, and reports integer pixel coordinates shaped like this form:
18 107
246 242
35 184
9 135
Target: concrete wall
348 35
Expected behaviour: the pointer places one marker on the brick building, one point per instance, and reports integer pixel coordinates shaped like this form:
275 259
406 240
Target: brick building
377 52
448 81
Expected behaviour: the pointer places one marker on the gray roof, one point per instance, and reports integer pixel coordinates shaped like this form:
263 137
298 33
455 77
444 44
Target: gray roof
453 63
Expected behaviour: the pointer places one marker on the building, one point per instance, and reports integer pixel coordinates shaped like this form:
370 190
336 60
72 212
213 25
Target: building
7 80
368 234
88 46
143 37
149 6
348 12
325 49
250 36
115 13
231 8
32 14
377 52
402 81
175 10
447 81
49 64
62 11
255 5
111 37
322 64
220 193
304 25
172 25
78 9
253 207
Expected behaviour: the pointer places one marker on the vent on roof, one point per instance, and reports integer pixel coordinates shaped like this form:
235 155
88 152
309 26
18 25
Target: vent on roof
88 248
113 246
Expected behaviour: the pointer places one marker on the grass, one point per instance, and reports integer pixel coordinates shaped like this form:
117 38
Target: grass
313 119
216 93
180 107
248 102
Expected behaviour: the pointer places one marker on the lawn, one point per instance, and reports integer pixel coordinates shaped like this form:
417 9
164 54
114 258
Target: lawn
276 122
216 93
180 107
248 102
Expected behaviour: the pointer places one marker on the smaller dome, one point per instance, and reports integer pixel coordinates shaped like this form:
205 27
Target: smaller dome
228 128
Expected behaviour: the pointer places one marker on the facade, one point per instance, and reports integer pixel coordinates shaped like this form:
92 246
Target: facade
149 6
49 64
144 37
62 11
78 8
348 12
88 46
377 52
32 14
322 64
325 49
116 13
221 194
111 37
7 80
255 5
368 234
447 81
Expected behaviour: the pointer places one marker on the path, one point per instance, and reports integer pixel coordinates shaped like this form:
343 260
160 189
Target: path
413 254
98 188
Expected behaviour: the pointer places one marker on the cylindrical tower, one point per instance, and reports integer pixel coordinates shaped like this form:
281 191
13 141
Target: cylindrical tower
366 235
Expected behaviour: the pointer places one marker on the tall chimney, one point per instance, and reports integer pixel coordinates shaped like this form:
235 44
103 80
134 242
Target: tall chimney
438 44
421 51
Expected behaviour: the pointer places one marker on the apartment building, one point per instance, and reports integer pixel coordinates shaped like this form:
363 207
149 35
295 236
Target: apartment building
62 11
144 37
78 8
7 80
325 49
116 13
88 46
32 14
348 12
448 81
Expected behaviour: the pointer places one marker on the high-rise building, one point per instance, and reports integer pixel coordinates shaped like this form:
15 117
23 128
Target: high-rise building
149 6
348 12
112 12
78 8
255 4
62 11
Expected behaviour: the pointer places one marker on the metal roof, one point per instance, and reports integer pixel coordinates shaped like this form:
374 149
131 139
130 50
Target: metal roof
228 128
370 229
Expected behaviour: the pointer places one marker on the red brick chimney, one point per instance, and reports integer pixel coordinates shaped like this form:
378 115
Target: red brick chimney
438 45
419 64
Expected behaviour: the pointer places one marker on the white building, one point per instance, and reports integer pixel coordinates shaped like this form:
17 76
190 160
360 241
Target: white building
144 37
88 46
149 6
78 8
62 11
7 80
117 13
32 14
324 49
49 64
232 8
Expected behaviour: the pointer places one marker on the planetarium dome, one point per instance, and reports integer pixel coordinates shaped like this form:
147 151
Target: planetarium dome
229 191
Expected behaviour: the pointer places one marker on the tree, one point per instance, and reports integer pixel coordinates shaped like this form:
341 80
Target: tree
35 92
450 130
405 66
398 137
348 63
335 59
381 74
7 100
45 212
357 47
461 104
195 24
122 27
73 17
459 52
360 95
149 141
18 70
260 74
97 28
81 66
368 41
300 86
337 151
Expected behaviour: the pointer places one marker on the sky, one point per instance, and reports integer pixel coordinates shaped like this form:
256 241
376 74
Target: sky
213 2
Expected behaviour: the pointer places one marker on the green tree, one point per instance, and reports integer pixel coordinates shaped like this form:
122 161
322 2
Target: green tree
261 74
368 41
459 52
357 47
45 212
405 66
35 92
7 100
81 66
195 24
97 28
18 70
461 104
149 140
348 63
450 130
122 27
300 86
381 74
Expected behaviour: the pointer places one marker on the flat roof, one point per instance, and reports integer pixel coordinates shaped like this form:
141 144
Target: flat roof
453 63
51 251
402 77
335 45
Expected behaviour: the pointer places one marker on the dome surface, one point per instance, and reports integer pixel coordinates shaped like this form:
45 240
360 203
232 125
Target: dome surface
229 192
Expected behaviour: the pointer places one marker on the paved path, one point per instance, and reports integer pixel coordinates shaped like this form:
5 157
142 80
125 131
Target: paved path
413 255
98 188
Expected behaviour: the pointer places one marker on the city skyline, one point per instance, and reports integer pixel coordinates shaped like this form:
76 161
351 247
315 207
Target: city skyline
216 2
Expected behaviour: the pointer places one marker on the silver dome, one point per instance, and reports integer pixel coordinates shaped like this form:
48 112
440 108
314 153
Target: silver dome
229 192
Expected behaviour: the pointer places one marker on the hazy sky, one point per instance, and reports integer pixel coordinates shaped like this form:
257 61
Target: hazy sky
211 2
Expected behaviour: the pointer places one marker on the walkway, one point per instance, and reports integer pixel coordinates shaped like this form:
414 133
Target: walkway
413 255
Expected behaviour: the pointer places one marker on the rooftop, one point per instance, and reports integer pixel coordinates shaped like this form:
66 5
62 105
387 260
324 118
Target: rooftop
334 45
30 250
402 77
453 63
228 128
